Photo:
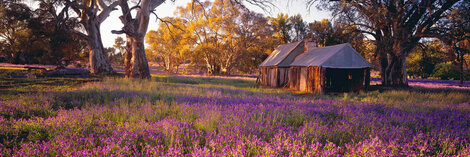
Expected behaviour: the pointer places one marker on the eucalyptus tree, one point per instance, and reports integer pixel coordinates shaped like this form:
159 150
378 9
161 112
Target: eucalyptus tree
14 19
119 44
457 34
91 13
299 27
135 28
282 26
167 45
397 26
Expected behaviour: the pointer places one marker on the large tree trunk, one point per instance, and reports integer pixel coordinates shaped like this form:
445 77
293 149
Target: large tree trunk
383 65
139 65
89 17
135 29
392 56
128 56
461 66
395 73
383 47
99 63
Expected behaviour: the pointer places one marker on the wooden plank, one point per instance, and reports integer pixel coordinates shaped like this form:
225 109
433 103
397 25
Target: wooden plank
303 79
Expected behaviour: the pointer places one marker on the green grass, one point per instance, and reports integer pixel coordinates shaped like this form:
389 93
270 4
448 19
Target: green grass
240 84
11 87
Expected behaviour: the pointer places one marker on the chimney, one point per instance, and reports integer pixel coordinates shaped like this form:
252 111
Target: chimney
309 43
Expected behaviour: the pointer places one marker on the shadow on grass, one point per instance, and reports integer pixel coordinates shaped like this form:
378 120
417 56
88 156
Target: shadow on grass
205 80
11 87
381 88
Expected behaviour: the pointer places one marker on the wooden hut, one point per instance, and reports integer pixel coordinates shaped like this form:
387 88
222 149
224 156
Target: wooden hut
337 68
275 69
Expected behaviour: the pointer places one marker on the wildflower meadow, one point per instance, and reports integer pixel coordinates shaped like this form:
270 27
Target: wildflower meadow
188 116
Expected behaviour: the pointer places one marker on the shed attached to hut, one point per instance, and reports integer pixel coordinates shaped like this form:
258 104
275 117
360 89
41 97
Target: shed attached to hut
274 70
337 68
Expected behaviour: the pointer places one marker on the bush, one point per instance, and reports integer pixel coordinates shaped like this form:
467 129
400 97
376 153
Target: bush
446 71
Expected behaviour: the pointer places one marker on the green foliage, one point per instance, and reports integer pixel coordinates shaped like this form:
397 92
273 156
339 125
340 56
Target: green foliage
327 34
422 62
446 71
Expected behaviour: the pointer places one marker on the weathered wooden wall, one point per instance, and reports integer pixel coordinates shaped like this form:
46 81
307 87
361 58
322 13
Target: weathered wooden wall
306 79
294 78
303 79
267 77
274 76
283 77
262 76
315 80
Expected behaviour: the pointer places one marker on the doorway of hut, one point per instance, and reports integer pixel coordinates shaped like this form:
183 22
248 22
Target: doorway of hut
344 80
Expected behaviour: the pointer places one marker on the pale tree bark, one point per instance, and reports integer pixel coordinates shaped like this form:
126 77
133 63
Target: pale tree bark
382 47
392 55
135 28
99 63
91 19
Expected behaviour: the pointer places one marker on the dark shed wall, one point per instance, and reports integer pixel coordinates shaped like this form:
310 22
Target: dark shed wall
319 80
345 80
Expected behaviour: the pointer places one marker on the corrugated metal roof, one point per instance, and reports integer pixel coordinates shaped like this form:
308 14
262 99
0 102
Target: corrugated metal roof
278 55
336 56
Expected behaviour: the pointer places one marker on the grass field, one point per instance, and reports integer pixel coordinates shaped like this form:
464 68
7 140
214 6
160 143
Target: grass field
178 116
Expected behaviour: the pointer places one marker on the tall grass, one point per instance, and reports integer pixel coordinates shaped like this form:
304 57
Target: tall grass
180 116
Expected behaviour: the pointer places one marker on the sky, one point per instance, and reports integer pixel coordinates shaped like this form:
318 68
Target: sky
167 9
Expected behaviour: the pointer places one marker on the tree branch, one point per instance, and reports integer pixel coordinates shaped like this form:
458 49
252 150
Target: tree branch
168 26
107 10
79 34
102 5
